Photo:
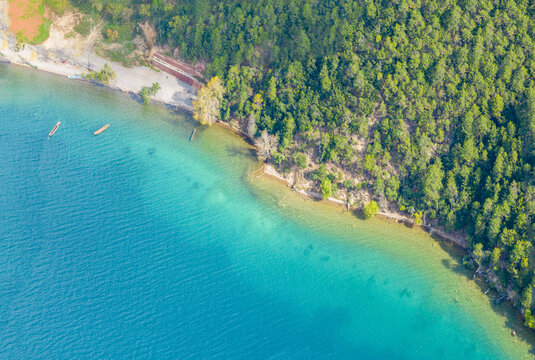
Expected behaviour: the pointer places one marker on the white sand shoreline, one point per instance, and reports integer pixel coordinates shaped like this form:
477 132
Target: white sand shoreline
62 58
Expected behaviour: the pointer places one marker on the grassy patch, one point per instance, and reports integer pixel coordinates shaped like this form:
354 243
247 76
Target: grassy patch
84 26
121 33
123 54
58 6
44 32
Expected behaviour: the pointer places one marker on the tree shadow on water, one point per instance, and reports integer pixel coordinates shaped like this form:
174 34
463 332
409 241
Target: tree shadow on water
240 151
513 320
359 214
456 267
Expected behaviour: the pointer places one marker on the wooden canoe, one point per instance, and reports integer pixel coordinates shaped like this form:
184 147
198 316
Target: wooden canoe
101 129
54 129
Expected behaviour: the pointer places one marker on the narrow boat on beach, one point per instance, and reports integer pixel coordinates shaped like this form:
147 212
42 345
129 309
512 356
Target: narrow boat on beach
54 129
101 129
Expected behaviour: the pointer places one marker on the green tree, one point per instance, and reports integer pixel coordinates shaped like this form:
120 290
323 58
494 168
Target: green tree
207 107
155 87
495 256
479 255
529 321
497 105
370 209
433 184
104 76
326 188
301 160
418 218
145 94
525 299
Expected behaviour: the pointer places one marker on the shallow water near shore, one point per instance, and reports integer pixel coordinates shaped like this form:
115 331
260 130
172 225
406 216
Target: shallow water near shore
140 244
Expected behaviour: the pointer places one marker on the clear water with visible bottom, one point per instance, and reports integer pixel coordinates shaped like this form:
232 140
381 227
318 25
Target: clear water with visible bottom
138 244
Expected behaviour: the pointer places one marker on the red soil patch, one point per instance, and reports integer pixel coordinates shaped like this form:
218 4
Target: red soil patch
25 17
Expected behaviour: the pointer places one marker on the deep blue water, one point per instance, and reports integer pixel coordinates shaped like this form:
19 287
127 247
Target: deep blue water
137 244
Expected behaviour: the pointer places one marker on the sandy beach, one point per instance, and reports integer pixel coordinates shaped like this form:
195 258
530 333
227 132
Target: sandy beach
74 56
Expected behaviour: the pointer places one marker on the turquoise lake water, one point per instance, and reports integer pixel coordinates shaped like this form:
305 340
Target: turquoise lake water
137 244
